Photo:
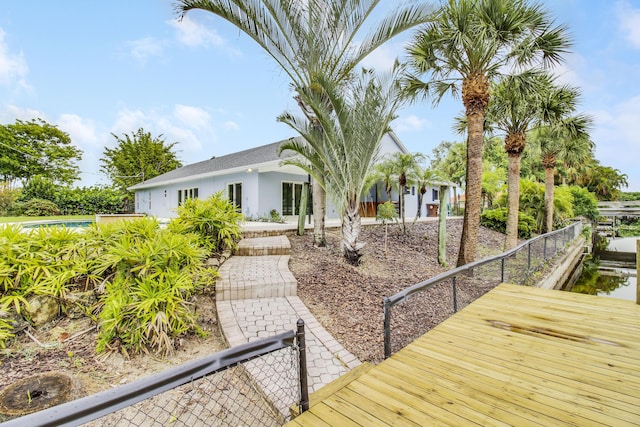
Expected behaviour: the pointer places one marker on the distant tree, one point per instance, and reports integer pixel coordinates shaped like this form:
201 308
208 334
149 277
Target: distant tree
606 182
452 164
37 148
137 158
403 166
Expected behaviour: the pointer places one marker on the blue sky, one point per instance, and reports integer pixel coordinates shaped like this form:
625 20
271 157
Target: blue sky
97 68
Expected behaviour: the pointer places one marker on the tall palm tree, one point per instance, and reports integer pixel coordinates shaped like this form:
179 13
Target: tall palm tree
569 139
463 49
519 103
313 38
350 125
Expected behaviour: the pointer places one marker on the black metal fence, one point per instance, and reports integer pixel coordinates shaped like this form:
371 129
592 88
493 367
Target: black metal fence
248 385
454 289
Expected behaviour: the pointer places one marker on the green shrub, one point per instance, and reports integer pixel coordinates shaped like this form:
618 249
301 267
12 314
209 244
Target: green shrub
7 198
38 207
90 200
562 206
144 276
585 203
38 187
151 272
386 212
215 221
496 219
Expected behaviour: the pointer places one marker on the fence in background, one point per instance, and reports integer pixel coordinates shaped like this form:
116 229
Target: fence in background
251 384
459 287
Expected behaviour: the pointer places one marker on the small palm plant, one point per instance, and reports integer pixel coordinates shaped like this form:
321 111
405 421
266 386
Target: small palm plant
386 213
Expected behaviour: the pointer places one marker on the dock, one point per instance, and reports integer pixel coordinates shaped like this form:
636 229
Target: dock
518 356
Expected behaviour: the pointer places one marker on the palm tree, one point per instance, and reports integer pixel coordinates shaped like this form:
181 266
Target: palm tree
385 172
518 103
467 45
453 167
569 139
309 39
350 125
403 165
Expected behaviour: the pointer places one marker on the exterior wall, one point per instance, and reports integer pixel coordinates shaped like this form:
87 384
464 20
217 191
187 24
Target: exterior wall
261 192
270 195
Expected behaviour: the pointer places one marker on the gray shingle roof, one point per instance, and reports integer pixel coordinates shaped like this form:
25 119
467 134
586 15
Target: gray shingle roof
253 156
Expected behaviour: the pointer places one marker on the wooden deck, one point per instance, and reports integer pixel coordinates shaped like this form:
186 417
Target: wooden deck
518 356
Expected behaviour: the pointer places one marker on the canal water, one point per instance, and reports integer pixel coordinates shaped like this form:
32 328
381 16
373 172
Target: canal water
610 278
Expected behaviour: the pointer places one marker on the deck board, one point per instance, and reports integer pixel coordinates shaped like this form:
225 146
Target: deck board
517 356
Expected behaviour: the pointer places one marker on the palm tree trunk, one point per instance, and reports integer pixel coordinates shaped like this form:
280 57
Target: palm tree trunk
471 222
319 209
302 213
442 226
513 201
548 199
351 225
404 227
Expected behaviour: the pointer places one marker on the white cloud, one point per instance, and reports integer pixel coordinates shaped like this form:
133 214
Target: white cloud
194 34
13 67
411 123
231 126
189 126
146 47
82 131
129 121
10 113
192 116
629 19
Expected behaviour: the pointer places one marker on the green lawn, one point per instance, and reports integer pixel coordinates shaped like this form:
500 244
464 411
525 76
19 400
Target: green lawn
6 219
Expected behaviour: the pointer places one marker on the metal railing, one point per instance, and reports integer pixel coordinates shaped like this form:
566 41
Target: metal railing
456 288
251 384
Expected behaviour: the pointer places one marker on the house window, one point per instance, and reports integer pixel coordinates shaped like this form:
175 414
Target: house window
291 194
435 194
137 202
235 194
187 193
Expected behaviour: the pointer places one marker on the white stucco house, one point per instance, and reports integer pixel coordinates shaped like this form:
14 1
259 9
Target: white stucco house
257 181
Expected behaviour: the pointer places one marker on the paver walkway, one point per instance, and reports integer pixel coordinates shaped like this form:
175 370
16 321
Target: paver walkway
256 298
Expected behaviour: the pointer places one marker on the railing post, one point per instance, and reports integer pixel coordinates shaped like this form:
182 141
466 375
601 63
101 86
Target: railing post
544 252
455 294
529 255
302 359
502 270
386 305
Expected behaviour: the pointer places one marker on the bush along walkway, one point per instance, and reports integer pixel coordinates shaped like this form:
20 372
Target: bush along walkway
256 298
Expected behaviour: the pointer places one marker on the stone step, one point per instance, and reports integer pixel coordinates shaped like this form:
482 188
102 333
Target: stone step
258 246
243 277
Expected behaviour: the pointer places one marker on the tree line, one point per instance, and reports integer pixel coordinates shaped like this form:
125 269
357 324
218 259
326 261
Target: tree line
38 166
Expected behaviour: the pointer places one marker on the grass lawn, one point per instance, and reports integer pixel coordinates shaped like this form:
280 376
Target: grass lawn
5 219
